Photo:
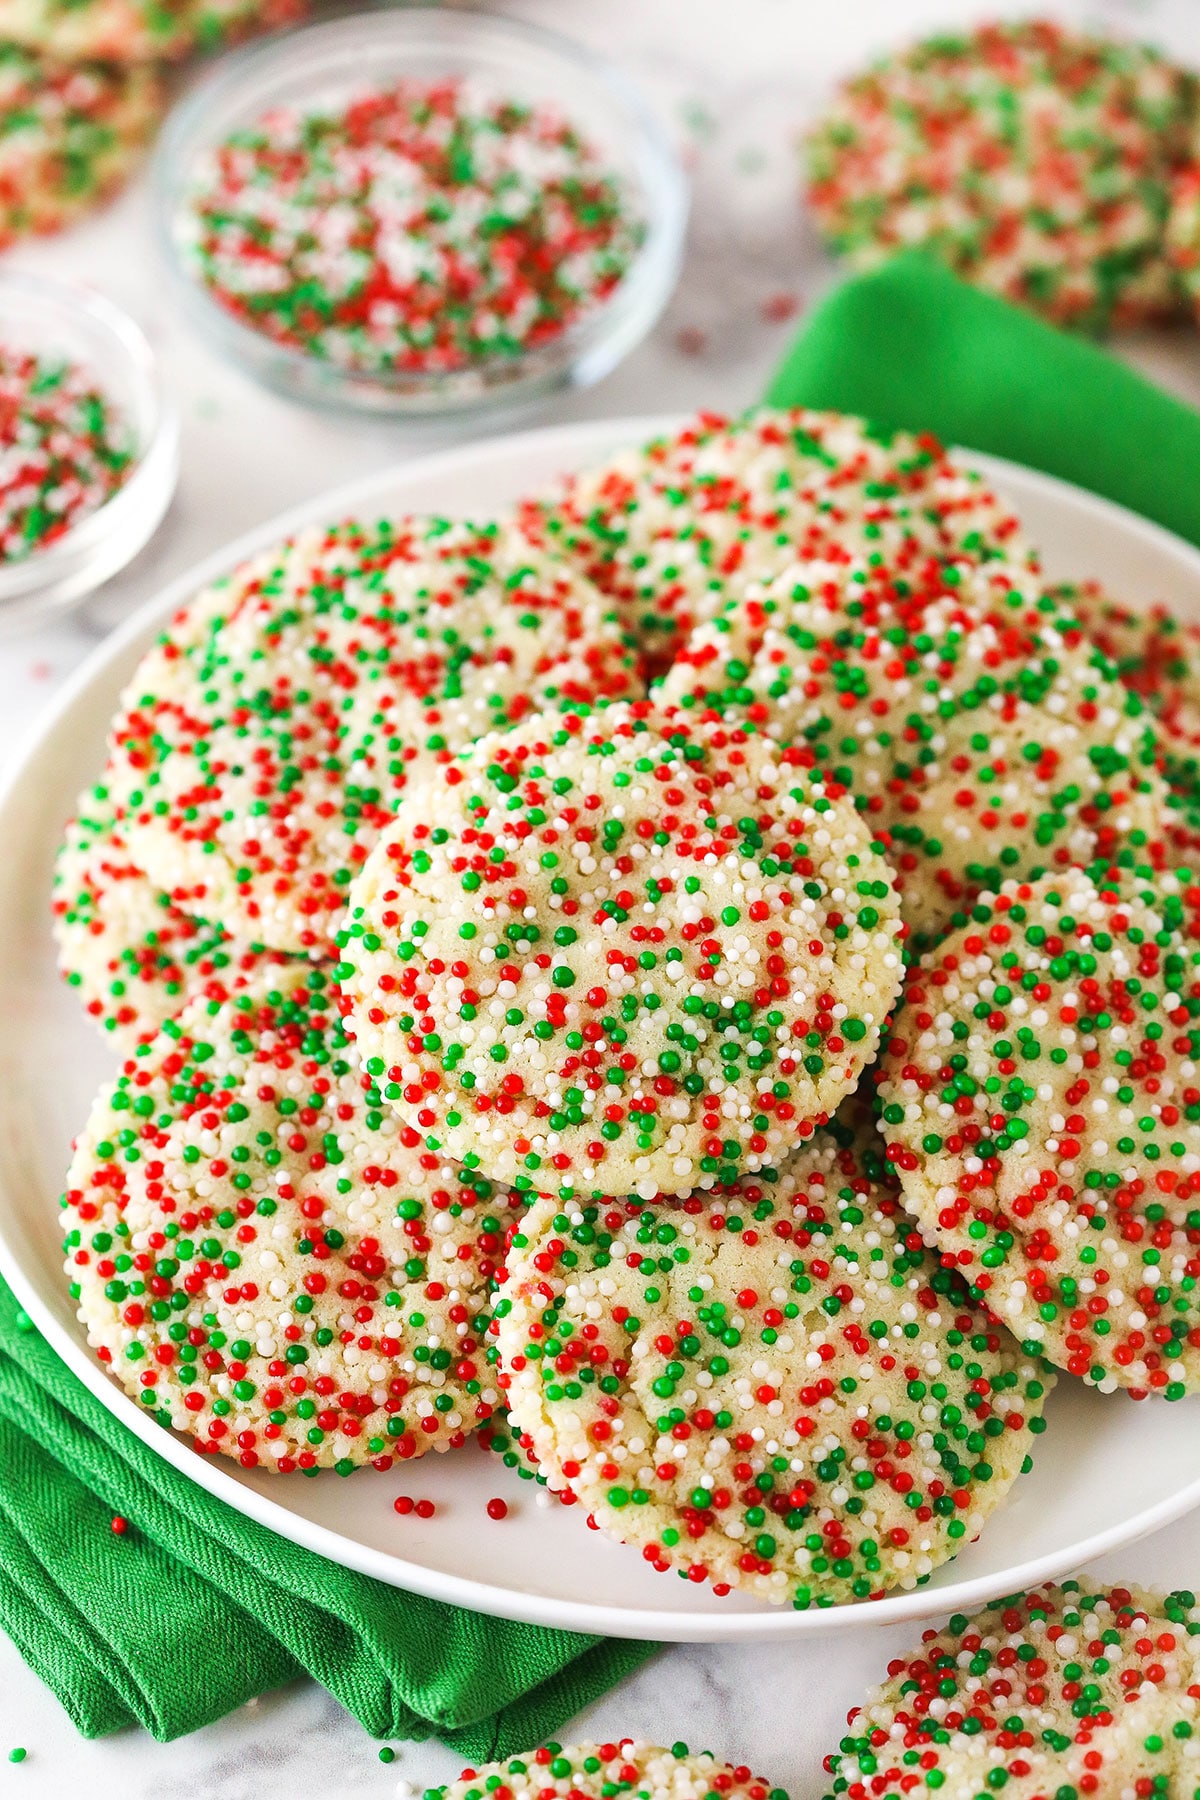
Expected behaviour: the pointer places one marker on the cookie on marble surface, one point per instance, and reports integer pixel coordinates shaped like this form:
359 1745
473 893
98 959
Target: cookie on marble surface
1036 161
70 134
138 31
265 1259
611 1771
772 1386
1071 1689
621 954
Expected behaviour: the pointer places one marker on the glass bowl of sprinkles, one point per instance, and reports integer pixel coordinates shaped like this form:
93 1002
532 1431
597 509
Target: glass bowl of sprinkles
88 445
420 212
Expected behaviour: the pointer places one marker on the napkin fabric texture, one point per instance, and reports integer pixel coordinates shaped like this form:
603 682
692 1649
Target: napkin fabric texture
910 345
195 1608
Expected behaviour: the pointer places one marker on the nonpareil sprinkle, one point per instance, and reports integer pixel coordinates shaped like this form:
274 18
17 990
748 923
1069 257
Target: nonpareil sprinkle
413 229
64 449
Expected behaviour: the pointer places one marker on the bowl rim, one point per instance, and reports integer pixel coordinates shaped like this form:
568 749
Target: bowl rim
156 456
585 351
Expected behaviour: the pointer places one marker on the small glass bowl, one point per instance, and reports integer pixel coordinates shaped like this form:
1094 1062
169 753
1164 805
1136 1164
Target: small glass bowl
324 65
51 318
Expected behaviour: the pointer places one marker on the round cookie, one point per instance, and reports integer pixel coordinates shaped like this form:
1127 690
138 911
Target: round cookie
69 136
1155 654
1069 1690
1035 161
771 1387
609 1772
1040 1098
269 746
620 955
132 956
676 529
975 726
140 31
265 1259
1183 233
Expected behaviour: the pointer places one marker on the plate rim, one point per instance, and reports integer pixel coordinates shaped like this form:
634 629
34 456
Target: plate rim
579 440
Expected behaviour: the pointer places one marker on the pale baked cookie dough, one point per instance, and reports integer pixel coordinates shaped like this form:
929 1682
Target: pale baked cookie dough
771 1387
1155 653
1071 1689
133 957
268 746
138 31
70 134
1040 1098
264 1259
679 527
977 729
610 1771
1036 161
620 954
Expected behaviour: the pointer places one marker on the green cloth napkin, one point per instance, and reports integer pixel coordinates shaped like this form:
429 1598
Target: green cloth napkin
911 345
196 1608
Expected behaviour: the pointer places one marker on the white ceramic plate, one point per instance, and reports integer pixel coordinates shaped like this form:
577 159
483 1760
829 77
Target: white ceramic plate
1107 1470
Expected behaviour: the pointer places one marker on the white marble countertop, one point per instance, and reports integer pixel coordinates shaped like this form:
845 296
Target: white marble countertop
737 80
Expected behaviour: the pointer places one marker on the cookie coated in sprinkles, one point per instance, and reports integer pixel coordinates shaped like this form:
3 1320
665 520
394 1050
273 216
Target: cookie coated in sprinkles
1036 161
1040 1096
962 705
694 520
612 1771
770 1386
265 1259
1069 1690
266 739
133 957
140 31
620 954
72 134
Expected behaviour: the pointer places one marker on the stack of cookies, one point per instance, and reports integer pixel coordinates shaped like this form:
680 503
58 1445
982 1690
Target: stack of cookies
698 977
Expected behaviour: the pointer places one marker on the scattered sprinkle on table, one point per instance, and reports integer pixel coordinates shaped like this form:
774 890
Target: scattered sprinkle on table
18 1755
64 449
423 227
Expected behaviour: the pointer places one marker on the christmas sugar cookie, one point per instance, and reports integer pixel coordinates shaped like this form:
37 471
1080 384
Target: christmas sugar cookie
609 1772
132 956
1035 161
772 1386
69 135
1071 1689
139 31
1183 233
1041 1102
265 1259
963 707
678 528
271 746
620 955
1155 653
